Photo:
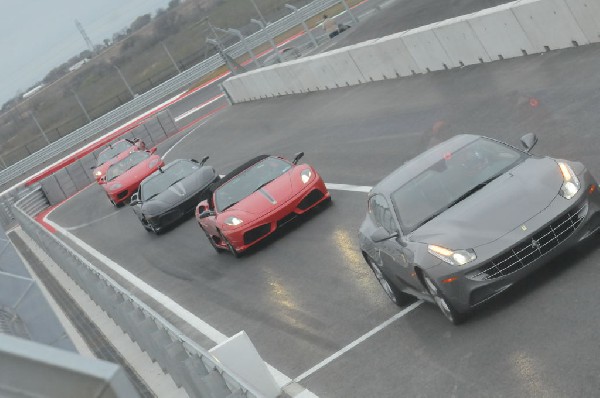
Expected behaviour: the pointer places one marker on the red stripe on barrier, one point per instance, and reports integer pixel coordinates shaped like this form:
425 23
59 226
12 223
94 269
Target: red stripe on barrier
40 218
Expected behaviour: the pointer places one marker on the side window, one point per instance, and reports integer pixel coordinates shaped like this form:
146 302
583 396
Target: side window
381 213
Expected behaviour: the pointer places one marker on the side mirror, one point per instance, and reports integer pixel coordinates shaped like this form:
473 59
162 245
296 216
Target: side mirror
529 140
380 234
204 159
134 200
297 157
207 213
152 150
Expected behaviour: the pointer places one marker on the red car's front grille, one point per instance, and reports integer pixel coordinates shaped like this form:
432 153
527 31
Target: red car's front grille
123 194
256 233
313 197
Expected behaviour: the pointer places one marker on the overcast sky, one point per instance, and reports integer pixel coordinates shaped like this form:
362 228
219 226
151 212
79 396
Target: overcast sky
38 35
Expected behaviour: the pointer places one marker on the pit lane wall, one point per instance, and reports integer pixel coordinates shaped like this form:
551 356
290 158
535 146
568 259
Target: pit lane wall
510 30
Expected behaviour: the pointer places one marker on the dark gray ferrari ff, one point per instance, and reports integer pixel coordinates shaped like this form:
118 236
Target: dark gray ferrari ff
171 192
466 219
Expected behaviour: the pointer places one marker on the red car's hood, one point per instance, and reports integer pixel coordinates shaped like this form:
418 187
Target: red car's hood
137 173
268 197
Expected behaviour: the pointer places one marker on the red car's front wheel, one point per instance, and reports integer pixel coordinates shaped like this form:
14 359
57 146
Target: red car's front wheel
230 247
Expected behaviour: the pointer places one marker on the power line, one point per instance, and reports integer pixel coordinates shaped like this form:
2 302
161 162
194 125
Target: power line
85 36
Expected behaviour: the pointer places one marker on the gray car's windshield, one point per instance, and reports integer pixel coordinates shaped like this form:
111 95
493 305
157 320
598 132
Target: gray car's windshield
453 178
111 152
160 182
249 181
129 162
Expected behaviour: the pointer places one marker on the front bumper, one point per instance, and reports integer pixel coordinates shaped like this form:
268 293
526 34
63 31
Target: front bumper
500 264
242 238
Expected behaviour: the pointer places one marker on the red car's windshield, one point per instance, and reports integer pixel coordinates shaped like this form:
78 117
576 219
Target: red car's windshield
249 181
111 152
122 166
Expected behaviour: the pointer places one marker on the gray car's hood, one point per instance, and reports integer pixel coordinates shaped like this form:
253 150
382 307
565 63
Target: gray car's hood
500 207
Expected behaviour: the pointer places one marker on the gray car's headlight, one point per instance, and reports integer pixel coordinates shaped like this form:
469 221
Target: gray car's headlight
571 185
453 257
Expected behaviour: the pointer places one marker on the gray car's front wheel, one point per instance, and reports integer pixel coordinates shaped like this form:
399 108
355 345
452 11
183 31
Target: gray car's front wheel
443 304
398 297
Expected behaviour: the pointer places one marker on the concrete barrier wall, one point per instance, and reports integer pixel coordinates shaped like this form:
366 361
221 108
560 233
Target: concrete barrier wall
510 30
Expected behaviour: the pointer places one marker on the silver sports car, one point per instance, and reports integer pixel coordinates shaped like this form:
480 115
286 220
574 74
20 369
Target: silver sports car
468 218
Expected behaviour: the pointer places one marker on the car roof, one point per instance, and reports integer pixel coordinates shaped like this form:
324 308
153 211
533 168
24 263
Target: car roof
420 163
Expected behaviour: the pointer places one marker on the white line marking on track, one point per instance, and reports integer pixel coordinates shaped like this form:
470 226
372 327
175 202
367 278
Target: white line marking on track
87 224
184 137
197 108
356 342
347 187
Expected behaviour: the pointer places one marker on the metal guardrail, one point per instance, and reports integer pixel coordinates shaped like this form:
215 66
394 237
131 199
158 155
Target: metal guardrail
190 366
149 98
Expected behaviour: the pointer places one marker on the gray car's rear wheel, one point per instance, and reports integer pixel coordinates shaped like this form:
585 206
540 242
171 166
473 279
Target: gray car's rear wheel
398 297
443 304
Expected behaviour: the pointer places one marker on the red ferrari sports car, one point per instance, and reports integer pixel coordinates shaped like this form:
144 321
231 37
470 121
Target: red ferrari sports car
115 152
256 198
123 177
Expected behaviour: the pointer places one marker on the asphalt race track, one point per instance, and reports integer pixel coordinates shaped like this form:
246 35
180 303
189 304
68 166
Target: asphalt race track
306 295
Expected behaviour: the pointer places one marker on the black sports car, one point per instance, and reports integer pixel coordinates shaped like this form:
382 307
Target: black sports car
465 220
172 192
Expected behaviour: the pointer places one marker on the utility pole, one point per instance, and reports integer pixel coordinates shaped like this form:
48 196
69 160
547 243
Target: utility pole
264 30
230 62
237 33
124 81
262 18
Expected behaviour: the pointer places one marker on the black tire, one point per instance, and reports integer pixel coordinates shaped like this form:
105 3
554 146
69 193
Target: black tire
442 303
396 296
230 247
112 202
211 241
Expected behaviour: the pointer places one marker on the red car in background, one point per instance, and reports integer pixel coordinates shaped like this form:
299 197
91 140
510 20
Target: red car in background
255 199
115 152
124 176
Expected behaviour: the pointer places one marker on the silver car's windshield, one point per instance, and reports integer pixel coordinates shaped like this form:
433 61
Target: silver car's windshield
160 182
249 181
453 178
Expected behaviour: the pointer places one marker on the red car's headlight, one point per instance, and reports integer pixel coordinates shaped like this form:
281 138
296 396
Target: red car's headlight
305 175
233 221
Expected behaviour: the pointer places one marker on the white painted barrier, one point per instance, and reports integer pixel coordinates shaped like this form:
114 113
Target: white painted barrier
241 357
425 48
586 14
460 42
500 33
510 30
549 24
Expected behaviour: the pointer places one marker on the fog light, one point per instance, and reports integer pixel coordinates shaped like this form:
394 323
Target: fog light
592 189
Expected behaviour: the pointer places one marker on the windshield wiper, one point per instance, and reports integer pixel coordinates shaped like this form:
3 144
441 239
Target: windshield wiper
472 191
229 205
176 181
262 185
457 200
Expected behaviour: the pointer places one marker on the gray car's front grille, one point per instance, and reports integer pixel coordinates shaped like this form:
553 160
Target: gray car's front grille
533 247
